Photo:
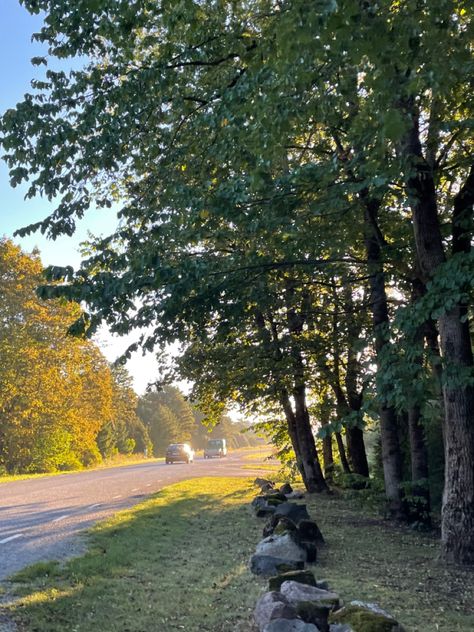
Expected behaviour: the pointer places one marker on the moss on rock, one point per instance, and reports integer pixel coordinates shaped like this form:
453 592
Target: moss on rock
302 577
364 620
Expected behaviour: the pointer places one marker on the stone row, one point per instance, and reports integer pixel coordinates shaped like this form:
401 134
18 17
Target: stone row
296 601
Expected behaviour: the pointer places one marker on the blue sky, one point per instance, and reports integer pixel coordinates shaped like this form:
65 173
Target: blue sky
16 72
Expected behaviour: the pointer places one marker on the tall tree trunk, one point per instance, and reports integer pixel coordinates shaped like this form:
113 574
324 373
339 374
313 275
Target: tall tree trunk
298 422
328 459
357 452
457 525
342 453
313 476
355 435
421 504
292 431
391 453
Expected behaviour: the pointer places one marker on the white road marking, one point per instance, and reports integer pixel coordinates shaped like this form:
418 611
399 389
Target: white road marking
94 506
12 537
61 518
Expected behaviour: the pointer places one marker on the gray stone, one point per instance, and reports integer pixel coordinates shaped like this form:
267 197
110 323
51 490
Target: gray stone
264 484
268 566
275 495
264 512
272 605
274 522
361 615
340 627
281 546
286 488
296 592
311 551
373 607
295 495
314 612
261 507
303 577
294 512
309 530
289 625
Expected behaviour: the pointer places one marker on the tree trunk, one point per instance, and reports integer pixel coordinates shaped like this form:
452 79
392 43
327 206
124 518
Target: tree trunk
391 453
420 505
328 459
292 432
313 476
357 453
457 525
342 453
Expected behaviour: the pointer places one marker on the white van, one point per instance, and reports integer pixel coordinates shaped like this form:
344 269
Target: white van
215 448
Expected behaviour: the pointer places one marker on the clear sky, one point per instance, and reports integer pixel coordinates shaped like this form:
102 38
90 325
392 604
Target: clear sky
16 72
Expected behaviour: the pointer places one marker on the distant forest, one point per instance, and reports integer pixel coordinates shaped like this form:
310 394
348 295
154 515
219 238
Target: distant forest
62 405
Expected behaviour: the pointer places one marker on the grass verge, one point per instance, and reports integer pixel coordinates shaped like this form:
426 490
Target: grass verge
371 559
120 461
177 561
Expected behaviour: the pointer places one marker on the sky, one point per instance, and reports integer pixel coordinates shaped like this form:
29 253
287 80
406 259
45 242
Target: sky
16 72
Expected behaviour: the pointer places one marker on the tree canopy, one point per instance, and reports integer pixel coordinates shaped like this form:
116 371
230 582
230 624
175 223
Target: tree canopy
296 189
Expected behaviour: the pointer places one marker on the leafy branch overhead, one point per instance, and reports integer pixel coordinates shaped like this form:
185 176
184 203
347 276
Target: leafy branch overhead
294 184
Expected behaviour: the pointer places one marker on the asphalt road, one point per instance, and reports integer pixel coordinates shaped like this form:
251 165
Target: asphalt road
42 518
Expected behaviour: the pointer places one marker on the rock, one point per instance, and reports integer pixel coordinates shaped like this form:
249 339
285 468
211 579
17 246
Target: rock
340 627
272 525
289 625
296 592
295 495
268 565
275 496
314 612
267 510
264 484
284 525
272 605
311 551
281 546
302 577
274 502
309 530
365 617
286 488
261 507
258 501
323 584
294 512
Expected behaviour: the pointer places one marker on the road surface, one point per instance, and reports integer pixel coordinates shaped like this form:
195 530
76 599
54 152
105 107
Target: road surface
42 518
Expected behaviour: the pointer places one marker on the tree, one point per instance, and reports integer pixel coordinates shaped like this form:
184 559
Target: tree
254 160
124 432
55 391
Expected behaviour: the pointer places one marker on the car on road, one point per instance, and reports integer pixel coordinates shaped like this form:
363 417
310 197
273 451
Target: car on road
179 452
215 448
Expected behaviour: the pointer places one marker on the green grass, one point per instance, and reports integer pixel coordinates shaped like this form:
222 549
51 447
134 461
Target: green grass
265 467
119 461
371 559
179 561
